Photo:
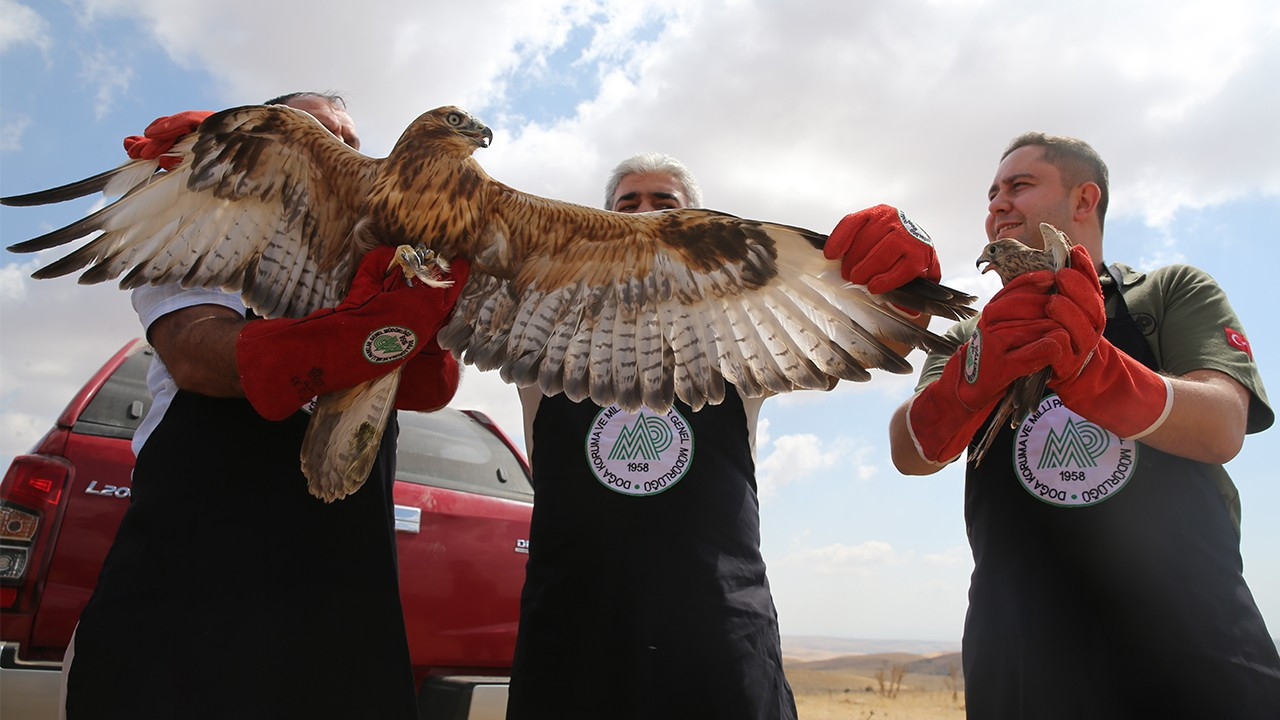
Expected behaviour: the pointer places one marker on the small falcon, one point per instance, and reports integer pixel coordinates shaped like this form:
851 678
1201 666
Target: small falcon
619 308
1009 259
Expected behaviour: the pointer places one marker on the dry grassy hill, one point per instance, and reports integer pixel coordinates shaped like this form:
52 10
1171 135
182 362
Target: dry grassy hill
899 685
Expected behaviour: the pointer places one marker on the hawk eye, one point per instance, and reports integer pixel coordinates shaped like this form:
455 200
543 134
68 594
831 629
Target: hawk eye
454 119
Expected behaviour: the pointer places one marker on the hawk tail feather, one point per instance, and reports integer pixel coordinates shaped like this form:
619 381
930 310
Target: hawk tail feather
344 434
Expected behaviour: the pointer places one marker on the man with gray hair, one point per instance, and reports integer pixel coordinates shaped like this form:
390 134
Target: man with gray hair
678 189
645 591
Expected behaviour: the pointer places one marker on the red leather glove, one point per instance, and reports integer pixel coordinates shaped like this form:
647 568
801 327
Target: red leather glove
161 134
1092 377
1079 309
285 362
430 379
1012 340
882 249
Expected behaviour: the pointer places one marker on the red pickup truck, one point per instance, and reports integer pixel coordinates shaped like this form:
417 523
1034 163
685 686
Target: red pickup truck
462 507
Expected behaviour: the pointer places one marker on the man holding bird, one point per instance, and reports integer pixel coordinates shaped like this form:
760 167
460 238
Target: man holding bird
1105 532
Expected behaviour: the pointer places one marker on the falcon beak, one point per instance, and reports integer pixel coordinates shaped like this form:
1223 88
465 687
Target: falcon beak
482 137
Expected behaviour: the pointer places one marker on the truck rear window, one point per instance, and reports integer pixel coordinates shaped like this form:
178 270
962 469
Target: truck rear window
448 449
118 408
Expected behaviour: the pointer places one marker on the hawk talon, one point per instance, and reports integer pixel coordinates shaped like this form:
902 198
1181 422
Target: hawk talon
422 263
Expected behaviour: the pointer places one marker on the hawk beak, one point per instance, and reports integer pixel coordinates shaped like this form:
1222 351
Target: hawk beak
483 137
979 264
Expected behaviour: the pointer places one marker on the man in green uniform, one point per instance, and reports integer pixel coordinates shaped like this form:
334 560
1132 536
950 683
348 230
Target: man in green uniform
1104 529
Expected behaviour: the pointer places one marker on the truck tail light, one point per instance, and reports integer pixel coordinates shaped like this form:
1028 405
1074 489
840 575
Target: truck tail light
30 498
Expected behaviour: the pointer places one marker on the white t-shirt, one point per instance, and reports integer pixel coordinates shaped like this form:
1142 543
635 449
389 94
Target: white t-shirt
152 302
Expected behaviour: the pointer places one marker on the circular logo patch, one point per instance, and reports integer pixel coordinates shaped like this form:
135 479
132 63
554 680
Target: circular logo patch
389 343
915 230
1146 322
1065 460
971 357
641 453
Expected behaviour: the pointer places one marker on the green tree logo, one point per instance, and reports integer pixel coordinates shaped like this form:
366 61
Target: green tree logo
1080 444
388 345
643 440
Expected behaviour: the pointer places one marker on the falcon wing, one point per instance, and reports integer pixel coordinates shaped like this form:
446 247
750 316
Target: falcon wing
635 308
263 203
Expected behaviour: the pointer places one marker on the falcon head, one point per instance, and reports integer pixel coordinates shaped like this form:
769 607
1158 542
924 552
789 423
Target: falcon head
452 127
1003 256
995 253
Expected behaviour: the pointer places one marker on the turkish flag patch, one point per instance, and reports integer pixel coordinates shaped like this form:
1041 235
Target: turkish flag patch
1237 340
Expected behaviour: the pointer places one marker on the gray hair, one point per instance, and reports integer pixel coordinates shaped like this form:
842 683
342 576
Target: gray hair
648 162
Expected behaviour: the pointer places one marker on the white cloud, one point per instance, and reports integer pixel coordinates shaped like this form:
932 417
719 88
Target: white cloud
871 589
811 111
20 24
108 74
958 556
839 559
791 458
763 436
11 130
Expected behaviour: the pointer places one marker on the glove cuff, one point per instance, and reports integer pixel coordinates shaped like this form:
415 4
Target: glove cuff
1119 393
940 423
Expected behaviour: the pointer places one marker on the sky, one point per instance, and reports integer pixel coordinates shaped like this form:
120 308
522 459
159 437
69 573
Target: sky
794 112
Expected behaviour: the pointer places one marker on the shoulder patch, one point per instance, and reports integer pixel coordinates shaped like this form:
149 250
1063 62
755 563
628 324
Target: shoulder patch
1237 340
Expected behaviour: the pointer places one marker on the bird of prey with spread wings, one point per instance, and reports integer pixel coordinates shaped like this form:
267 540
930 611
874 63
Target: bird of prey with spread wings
621 308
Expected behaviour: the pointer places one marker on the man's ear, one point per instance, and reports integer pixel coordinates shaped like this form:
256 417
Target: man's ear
1084 200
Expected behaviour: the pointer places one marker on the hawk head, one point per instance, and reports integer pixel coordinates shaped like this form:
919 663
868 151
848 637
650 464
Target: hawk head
449 127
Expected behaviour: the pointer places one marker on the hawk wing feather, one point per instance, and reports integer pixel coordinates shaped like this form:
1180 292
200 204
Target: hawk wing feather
262 203
112 183
580 312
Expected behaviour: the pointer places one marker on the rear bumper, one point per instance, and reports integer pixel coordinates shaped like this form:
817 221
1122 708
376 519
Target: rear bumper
462 697
28 691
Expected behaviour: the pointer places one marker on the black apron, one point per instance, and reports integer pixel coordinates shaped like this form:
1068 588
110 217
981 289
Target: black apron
652 606
231 592
1132 607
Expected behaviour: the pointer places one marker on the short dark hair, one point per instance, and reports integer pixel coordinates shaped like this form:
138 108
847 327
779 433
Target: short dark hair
1076 160
333 98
